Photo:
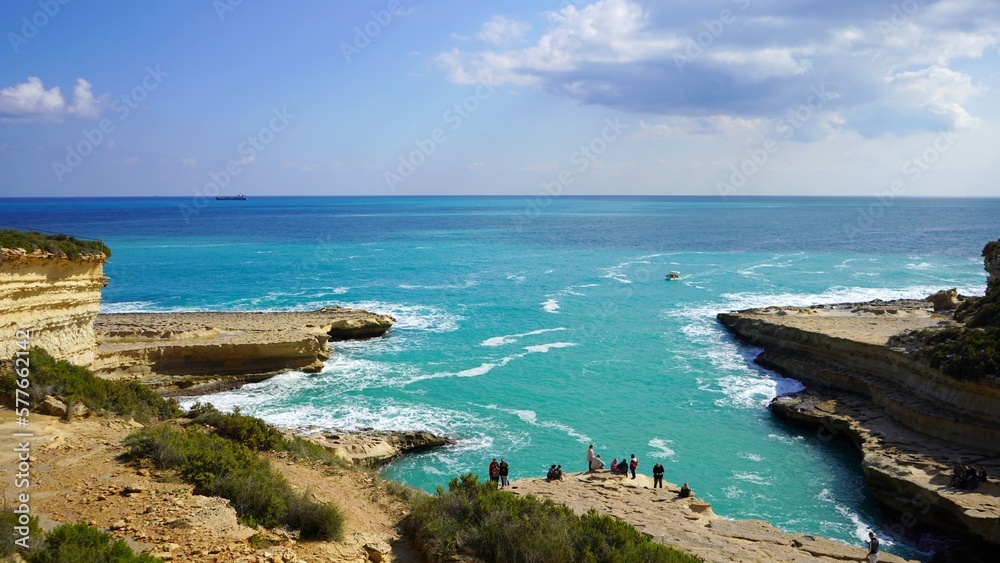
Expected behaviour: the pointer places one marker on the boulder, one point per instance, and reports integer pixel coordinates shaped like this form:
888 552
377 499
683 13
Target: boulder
944 300
52 406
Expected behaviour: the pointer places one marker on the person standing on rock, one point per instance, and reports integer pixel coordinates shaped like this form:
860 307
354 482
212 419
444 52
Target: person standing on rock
494 471
590 457
504 470
657 475
872 548
632 465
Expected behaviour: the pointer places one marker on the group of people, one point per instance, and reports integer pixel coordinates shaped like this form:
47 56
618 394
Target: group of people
499 472
625 466
554 472
967 476
628 467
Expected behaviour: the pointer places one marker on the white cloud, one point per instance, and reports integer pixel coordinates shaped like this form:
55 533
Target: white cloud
30 101
892 71
188 162
500 30
477 166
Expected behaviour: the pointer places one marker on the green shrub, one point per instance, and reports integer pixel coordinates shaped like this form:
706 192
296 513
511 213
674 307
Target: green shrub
60 245
963 353
499 526
222 467
75 543
252 432
257 435
8 520
49 376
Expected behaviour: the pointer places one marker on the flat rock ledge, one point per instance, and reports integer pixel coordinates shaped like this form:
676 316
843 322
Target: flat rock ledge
371 448
213 350
687 523
905 470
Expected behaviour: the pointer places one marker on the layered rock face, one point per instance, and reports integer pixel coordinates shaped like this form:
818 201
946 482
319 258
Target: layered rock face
845 347
185 349
910 421
56 298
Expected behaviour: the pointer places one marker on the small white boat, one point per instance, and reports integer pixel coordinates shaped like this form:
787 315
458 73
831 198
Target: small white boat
674 276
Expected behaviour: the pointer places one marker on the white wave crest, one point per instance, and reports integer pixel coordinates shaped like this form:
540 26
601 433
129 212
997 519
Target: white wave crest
512 338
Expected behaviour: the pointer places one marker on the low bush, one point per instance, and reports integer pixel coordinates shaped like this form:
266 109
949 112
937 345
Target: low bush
499 526
257 435
252 432
75 543
964 353
60 245
222 467
8 521
58 377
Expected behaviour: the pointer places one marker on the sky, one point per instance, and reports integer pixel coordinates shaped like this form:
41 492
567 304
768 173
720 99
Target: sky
400 97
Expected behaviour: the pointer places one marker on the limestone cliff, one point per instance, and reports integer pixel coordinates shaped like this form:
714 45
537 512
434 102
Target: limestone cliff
814 349
53 296
909 419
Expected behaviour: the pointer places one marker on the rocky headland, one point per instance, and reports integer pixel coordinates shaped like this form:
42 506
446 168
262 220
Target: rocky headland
208 350
687 523
889 376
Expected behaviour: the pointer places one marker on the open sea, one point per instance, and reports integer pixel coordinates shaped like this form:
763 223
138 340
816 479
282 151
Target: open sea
529 328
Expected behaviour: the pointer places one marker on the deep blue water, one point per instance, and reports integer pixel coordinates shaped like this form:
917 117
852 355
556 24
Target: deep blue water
530 328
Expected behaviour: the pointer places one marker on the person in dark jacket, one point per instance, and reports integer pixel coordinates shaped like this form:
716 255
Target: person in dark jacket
632 465
685 491
504 471
657 475
494 471
872 548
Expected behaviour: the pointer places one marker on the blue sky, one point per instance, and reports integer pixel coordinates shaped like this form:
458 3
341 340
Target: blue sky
706 97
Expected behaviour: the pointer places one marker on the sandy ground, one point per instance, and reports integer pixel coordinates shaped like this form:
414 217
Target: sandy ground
75 477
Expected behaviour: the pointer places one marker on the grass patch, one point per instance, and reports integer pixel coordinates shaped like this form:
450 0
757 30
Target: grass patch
74 543
60 245
499 526
257 435
77 384
222 467
409 495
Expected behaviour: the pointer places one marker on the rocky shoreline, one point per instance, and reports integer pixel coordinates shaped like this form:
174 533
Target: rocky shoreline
909 421
687 523
170 351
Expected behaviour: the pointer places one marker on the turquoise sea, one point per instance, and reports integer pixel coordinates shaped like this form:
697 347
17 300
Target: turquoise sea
529 328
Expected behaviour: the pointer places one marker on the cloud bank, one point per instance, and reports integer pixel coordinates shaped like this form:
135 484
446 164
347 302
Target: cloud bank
30 101
889 65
